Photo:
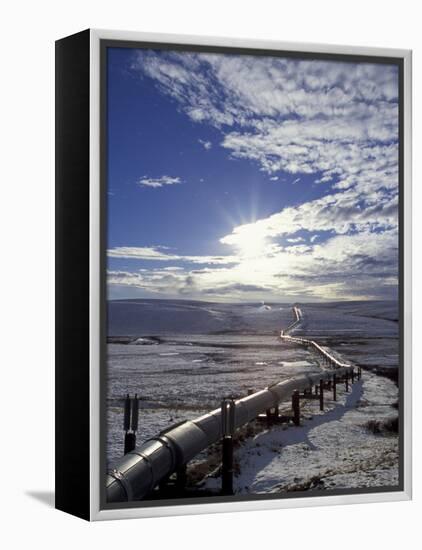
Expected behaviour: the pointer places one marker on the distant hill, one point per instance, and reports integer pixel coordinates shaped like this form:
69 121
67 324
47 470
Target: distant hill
143 317
148 317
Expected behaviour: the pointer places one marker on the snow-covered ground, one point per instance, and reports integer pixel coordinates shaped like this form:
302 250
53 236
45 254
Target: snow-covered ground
184 377
185 356
331 449
364 332
143 317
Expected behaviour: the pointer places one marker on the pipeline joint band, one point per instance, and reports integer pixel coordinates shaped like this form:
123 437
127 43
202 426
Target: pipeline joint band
120 478
164 440
148 462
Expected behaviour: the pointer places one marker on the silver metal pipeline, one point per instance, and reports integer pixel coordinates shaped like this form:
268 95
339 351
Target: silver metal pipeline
138 472
298 318
332 361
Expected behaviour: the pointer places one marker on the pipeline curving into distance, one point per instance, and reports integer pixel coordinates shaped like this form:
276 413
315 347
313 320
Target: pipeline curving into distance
138 472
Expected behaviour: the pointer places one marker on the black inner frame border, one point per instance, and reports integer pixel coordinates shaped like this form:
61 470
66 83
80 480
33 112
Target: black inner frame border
230 50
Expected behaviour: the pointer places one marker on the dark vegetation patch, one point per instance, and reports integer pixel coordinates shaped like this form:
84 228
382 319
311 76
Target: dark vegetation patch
389 425
315 482
389 372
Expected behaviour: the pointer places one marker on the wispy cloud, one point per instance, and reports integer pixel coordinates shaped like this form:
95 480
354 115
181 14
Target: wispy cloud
163 254
295 240
337 120
206 144
146 181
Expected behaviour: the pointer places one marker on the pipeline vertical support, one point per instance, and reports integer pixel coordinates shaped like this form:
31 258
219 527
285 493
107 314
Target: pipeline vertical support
353 375
346 380
135 413
272 414
181 477
130 442
296 407
227 421
130 437
131 410
227 469
126 417
334 387
321 395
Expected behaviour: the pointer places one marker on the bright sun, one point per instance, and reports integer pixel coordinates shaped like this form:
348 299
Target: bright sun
251 243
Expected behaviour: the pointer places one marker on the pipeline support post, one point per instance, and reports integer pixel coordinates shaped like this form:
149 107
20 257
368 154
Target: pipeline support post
126 417
296 407
334 387
130 422
272 414
346 380
181 477
227 421
321 395
130 442
353 376
135 413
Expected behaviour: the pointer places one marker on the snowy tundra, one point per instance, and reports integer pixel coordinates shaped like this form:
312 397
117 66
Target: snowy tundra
182 357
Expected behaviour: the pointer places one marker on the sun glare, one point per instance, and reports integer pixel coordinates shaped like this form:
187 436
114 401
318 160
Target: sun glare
251 243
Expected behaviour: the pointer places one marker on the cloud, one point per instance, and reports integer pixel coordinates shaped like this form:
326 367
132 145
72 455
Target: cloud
235 288
141 253
239 89
153 281
295 240
161 254
361 266
294 115
338 213
146 181
334 122
207 144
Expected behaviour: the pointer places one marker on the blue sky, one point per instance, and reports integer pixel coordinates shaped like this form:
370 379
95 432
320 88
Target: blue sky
237 178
